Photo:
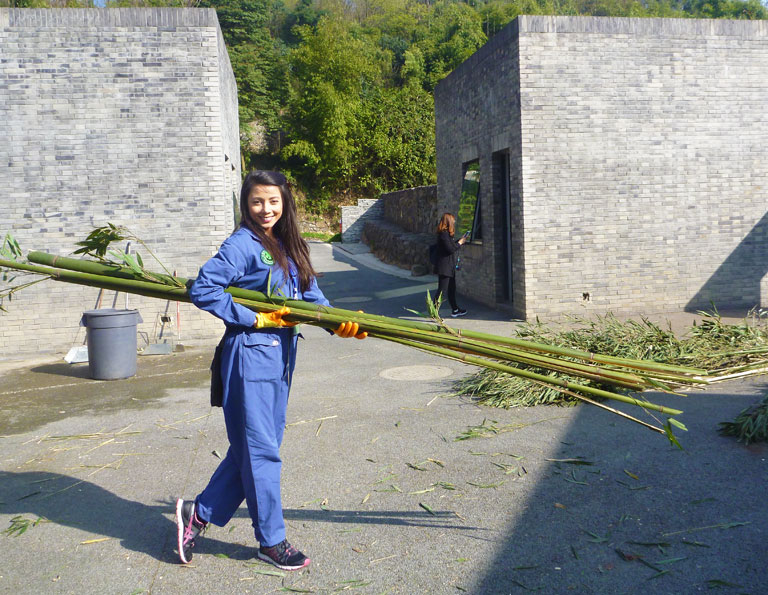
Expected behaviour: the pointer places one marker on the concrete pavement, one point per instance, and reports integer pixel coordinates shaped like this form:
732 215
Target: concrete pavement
379 487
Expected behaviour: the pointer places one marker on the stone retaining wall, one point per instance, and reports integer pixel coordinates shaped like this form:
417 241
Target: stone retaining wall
413 209
392 244
353 218
398 227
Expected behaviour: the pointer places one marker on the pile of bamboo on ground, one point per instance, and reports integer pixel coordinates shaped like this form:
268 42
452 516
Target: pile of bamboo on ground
617 375
750 425
725 350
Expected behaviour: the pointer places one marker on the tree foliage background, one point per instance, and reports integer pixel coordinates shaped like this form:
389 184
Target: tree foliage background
338 93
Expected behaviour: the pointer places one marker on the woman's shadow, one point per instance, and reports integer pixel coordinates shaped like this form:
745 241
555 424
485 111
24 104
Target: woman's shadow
151 529
68 501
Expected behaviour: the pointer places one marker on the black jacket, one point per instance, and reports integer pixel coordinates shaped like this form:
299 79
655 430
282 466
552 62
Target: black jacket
447 251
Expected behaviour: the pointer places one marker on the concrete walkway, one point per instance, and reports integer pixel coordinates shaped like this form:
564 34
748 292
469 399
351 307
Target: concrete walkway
380 489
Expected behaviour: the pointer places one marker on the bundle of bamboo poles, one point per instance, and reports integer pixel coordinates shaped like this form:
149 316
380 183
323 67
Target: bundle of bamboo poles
475 348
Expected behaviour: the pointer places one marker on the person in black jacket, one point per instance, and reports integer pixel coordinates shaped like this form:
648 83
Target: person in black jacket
447 253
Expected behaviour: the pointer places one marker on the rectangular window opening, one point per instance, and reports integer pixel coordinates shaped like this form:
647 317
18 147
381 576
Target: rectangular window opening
468 217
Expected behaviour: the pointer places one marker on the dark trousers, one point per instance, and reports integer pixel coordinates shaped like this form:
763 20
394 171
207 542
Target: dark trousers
446 286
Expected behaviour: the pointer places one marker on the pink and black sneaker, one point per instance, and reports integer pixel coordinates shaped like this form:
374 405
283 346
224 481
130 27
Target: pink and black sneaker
189 527
284 556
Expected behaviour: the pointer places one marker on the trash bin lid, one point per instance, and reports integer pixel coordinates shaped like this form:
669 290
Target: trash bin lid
110 318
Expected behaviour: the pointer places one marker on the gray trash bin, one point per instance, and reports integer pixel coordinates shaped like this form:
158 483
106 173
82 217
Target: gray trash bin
111 336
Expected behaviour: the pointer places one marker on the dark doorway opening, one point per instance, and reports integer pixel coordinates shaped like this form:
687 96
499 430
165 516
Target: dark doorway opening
503 209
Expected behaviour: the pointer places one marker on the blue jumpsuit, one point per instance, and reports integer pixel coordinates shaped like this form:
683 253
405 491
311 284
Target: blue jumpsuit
256 368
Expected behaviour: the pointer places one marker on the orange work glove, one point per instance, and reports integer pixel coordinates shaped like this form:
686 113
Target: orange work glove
273 319
350 329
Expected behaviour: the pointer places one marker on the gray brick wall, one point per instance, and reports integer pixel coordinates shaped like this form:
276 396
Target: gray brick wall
636 151
126 116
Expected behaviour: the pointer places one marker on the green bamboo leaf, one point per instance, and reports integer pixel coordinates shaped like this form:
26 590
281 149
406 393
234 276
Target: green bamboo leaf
487 485
734 524
130 260
416 466
268 572
716 583
15 248
672 560
527 588
427 508
353 584
10 248
694 543
575 480
670 436
677 424
595 537
432 489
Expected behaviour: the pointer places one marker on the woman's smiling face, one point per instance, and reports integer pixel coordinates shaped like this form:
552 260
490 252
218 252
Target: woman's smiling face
265 206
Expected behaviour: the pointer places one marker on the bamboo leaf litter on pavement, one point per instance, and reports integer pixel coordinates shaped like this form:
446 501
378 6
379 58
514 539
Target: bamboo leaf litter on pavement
20 525
730 525
750 425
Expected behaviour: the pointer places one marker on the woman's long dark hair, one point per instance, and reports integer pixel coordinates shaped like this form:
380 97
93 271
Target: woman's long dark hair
286 241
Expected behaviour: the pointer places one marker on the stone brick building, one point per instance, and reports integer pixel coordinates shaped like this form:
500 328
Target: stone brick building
126 116
622 164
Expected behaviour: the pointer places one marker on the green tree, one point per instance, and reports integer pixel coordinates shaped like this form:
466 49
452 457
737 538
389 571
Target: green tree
304 13
398 134
259 61
330 71
451 34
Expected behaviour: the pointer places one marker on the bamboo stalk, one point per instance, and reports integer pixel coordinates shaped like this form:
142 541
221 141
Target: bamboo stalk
125 285
428 337
688 374
381 329
602 406
557 382
302 311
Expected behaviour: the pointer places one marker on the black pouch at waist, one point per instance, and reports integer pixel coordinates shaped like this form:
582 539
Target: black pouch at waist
217 386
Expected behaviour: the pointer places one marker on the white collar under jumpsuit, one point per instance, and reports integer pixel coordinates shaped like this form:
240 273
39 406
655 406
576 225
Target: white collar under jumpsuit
256 368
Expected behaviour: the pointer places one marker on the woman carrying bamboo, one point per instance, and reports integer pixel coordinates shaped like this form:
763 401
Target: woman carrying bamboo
257 362
447 259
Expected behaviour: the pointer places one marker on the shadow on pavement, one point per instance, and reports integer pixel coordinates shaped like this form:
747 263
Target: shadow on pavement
63 369
643 516
68 501
436 520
